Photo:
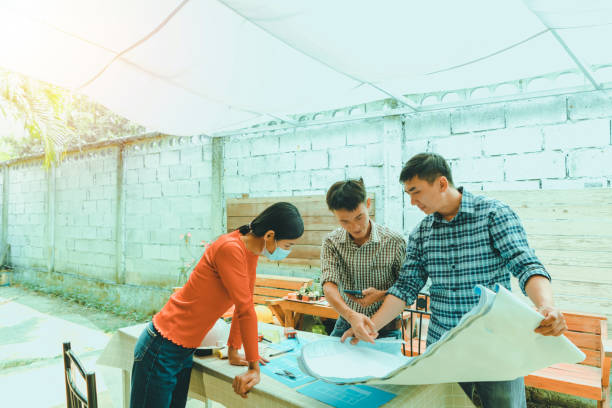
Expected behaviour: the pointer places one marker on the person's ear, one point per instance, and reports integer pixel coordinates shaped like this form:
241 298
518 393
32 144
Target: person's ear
368 203
269 235
443 184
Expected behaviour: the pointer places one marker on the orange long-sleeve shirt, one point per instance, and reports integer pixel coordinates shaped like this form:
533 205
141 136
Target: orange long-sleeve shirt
224 276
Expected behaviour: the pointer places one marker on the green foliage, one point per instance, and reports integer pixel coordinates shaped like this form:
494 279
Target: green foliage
54 119
189 261
83 300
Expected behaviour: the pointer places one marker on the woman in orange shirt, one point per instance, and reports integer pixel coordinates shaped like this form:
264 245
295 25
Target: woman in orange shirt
224 276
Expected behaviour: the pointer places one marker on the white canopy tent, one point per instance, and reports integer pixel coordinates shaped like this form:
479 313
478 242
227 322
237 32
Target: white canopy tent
208 66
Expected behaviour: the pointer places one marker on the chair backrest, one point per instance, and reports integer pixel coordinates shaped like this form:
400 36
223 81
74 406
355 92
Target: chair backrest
318 222
269 287
587 332
74 396
417 318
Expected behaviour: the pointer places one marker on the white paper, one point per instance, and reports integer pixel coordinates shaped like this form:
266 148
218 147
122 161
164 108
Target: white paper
495 341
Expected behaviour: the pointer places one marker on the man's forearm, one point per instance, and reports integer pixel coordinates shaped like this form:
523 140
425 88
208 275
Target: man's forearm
333 297
389 310
539 290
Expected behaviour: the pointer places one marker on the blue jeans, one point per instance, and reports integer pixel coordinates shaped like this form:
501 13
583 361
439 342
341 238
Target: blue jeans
498 394
342 326
161 372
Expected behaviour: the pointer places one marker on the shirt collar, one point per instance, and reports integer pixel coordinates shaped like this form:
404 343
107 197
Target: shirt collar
467 206
374 235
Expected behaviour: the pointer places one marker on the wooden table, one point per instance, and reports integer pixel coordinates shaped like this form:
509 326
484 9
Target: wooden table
211 379
290 312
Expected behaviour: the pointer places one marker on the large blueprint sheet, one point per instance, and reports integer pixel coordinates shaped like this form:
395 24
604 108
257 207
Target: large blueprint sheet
495 341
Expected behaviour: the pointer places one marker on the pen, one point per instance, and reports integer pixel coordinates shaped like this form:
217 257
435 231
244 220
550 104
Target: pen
278 353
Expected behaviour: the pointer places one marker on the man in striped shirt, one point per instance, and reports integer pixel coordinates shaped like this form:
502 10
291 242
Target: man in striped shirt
463 241
360 256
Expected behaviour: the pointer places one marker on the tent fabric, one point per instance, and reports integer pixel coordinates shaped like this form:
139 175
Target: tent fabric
204 66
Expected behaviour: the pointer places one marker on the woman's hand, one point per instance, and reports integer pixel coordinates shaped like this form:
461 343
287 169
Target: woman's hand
237 358
245 381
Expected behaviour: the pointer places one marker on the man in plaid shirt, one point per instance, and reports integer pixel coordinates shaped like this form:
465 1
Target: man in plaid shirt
359 256
464 240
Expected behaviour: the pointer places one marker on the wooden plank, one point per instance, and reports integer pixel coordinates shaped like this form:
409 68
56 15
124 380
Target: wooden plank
566 212
310 308
570 257
601 228
316 263
593 357
312 238
319 223
582 289
283 282
586 383
580 273
274 292
585 340
261 300
579 322
291 199
571 242
306 252
553 198
306 209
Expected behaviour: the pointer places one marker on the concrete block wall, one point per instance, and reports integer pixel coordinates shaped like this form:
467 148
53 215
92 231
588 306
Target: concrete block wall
167 193
27 212
307 161
85 214
560 142
116 213
304 161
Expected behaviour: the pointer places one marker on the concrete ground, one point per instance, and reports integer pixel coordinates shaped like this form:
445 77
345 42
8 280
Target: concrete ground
32 329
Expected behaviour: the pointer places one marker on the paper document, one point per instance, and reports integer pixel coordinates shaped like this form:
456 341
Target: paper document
495 341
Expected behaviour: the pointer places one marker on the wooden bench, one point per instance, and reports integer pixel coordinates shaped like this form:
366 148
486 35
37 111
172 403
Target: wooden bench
590 378
273 287
270 287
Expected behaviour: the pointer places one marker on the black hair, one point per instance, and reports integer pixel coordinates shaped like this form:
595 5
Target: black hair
346 195
282 218
426 166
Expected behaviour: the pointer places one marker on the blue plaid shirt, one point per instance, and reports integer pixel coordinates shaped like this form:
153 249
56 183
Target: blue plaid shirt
480 245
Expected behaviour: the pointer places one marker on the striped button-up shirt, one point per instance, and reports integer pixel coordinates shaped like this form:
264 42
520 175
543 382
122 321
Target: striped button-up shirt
481 245
375 264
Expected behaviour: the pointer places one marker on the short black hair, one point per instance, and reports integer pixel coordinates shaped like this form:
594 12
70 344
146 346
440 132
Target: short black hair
282 218
426 166
346 195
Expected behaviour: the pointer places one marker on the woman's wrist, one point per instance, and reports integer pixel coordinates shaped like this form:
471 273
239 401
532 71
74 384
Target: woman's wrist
254 365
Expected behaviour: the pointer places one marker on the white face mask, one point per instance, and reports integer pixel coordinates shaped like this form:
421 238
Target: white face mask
277 255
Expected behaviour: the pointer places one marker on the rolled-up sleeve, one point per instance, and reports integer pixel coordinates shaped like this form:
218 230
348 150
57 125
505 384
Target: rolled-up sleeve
331 263
413 274
510 239
399 257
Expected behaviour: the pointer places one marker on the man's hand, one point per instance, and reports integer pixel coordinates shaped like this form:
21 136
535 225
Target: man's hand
370 296
350 333
244 382
553 323
236 358
362 327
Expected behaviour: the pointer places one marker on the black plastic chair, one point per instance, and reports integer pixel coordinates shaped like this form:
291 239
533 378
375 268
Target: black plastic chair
74 396
415 319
